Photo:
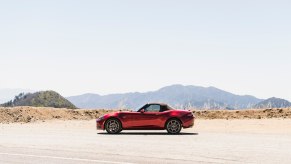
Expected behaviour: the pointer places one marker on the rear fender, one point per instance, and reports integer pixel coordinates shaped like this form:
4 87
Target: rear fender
173 118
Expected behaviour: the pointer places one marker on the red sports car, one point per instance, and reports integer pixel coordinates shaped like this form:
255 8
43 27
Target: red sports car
154 116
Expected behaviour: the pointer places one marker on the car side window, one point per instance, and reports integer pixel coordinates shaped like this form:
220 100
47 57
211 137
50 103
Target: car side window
153 108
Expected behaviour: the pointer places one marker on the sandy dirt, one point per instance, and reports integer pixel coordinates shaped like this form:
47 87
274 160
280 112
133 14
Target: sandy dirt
34 114
210 141
244 114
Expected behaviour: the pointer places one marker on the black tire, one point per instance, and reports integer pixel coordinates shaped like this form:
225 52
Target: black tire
113 126
173 126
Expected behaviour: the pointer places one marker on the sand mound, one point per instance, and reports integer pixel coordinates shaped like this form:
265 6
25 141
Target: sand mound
243 114
32 114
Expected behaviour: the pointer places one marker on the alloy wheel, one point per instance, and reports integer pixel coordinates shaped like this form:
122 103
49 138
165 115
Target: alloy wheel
113 126
173 126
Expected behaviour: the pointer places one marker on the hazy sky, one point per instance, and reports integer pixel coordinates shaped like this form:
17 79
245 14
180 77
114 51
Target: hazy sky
75 47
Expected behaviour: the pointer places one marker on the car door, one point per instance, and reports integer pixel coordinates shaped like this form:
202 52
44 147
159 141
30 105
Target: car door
148 117
132 120
151 117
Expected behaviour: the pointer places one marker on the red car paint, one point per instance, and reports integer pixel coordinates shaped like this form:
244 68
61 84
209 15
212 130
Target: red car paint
148 120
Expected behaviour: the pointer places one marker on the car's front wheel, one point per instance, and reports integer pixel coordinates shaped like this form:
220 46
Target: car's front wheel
113 126
173 126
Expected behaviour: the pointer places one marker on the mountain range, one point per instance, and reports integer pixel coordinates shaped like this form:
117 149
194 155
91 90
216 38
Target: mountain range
273 102
178 96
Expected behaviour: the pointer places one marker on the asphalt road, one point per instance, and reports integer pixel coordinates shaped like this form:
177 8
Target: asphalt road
79 142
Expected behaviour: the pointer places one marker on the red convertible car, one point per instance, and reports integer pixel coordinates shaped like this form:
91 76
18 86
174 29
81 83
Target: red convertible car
154 116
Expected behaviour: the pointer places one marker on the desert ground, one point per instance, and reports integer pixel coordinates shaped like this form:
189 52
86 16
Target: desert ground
74 139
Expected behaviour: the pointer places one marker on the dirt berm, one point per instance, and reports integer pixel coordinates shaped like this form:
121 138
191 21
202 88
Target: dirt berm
33 114
243 114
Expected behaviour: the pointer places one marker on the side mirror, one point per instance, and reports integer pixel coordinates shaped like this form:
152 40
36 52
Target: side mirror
142 111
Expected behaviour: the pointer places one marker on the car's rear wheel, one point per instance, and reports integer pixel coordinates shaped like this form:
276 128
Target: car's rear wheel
113 126
173 126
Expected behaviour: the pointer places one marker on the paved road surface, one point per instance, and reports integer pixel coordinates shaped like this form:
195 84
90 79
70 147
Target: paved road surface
212 141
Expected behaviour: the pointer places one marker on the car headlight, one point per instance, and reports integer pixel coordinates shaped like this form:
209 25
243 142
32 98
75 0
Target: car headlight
100 118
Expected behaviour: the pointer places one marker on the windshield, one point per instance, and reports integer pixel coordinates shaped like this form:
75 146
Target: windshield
169 107
137 109
143 107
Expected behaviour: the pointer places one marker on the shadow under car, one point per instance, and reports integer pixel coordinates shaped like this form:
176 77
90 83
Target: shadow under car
147 133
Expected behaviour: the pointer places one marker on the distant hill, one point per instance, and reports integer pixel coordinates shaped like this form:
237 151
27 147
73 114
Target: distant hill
40 99
273 103
178 96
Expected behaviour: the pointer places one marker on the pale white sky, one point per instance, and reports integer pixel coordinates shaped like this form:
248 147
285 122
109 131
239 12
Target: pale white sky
75 47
